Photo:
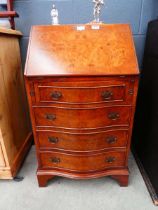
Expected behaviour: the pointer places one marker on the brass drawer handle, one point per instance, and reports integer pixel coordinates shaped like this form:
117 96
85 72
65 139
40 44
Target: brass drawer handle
55 160
111 139
53 140
56 95
113 116
106 95
50 116
110 159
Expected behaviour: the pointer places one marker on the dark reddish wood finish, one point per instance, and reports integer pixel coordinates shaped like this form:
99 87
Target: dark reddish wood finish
83 93
82 142
82 163
82 118
44 176
81 105
122 179
42 180
97 91
9 13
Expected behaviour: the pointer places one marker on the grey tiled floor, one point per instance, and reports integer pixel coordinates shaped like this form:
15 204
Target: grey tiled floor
66 194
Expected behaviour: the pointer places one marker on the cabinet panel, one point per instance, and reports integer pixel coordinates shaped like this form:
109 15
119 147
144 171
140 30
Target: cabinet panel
2 161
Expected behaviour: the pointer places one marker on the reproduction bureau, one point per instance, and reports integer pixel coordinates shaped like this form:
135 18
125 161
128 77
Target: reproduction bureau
15 129
81 83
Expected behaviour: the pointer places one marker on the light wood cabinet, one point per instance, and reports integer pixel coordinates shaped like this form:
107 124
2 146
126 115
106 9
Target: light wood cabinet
15 130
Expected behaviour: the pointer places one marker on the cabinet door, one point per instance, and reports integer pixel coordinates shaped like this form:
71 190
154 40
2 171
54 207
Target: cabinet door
2 162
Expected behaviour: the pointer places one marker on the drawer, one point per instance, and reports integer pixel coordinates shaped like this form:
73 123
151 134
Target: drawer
82 163
82 142
82 118
83 92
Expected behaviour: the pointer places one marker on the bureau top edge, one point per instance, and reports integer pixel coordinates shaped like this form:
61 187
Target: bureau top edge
82 76
66 51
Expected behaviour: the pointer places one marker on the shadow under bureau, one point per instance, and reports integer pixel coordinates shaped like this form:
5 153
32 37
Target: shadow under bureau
81 88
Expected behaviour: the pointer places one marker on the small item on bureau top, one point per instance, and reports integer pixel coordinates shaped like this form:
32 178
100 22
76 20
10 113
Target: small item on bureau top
97 10
54 14
95 26
80 28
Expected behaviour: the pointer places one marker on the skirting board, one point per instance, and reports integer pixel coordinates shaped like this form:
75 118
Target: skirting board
150 187
10 173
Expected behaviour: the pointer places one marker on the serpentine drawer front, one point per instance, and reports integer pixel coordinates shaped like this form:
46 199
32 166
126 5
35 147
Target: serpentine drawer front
82 88
82 163
114 90
82 118
83 141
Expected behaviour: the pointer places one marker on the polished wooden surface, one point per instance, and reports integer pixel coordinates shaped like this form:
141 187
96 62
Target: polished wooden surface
104 91
82 142
6 14
10 32
64 50
82 120
45 175
82 163
2 160
15 131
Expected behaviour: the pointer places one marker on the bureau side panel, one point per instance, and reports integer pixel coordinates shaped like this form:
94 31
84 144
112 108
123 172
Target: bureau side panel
135 91
29 84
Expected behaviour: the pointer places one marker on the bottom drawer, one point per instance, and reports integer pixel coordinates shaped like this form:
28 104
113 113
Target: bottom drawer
82 163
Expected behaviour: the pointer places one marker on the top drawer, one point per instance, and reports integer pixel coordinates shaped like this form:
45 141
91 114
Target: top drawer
84 92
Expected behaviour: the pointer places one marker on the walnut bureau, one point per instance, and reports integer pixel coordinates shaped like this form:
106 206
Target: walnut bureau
82 85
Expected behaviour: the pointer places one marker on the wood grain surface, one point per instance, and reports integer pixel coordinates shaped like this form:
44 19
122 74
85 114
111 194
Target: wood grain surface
64 50
82 89
82 142
14 119
82 118
82 163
